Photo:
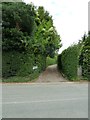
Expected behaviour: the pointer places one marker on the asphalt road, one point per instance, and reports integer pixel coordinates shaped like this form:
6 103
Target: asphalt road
46 100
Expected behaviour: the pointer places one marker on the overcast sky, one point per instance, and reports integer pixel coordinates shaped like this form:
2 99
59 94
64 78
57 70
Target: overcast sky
70 18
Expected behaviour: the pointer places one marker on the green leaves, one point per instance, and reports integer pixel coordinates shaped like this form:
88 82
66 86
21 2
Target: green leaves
18 26
30 33
67 62
28 28
84 58
74 56
46 34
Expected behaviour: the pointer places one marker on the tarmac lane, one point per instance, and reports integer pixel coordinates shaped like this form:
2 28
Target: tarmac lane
45 100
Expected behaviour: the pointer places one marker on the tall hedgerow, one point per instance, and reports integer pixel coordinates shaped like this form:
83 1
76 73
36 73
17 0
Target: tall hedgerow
84 58
67 62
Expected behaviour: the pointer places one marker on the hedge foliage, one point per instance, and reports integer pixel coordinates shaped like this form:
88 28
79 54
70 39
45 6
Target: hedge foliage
75 56
15 63
84 58
67 62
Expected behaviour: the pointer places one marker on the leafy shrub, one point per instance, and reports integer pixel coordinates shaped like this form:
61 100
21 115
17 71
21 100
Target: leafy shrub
84 58
21 64
75 56
67 62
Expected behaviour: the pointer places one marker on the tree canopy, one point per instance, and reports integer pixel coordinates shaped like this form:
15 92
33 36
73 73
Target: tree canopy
26 27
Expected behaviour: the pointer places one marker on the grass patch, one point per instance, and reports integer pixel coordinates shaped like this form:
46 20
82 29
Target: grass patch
20 79
17 79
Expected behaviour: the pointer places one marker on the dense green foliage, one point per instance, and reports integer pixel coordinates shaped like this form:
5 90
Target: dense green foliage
18 25
28 28
84 58
67 62
75 56
28 38
19 64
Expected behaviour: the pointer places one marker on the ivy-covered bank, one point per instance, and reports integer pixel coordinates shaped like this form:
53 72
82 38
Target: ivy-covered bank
28 38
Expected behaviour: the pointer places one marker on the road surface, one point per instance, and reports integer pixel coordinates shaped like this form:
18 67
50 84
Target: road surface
45 100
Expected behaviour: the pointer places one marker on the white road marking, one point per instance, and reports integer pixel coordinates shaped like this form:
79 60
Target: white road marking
42 101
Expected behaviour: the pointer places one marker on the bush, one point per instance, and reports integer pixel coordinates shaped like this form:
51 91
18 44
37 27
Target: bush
21 64
84 58
68 61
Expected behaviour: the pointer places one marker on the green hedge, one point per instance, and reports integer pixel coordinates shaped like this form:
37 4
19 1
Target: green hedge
76 56
68 61
84 59
21 64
